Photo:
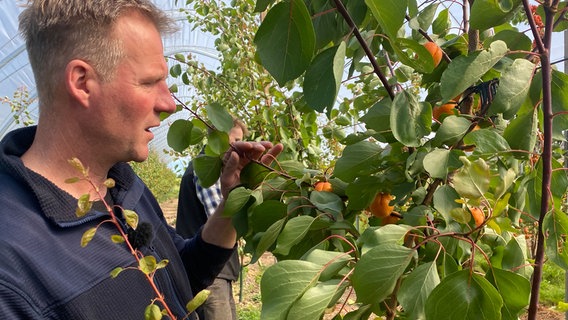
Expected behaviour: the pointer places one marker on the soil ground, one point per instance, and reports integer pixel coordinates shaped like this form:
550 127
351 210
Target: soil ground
247 292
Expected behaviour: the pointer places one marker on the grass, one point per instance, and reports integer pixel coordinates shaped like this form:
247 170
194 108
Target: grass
552 286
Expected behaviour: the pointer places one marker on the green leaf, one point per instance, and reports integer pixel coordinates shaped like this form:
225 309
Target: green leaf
217 143
84 205
390 233
207 169
515 291
131 218
442 22
88 236
236 200
116 238
175 70
332 262
152 312
147 264
416 288
316 299
286 40
294 231
358 159
267 239
254 174
361 192
453 128
323 78
521 134
490 13
115 272
472 180
555 229
559 103
162 264
219 116
465 71
179 134
376 273
514 85
440 162
486 141
410 120
445 201
464 295
327 202
283 283
197 301
389 13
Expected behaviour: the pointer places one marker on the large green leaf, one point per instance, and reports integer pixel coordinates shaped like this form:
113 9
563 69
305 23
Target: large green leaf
521 134
464 295
390 233
207 169
267 239
332 261
472 180
362 191
513 88
236 200
376 273
490 13
440 162
323 77
407 50
294 231
410 120
486 141
416 288
219 116
465 71
315 300
179 135
453 128
327 202
357 159
283 283
445 201
555 228
389 13
514 289
559 103
217 143
286 40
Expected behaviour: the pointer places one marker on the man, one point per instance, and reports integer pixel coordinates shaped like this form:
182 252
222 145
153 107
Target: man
195 205
100 75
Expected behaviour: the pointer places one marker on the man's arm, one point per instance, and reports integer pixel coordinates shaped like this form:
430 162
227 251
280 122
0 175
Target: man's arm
219 230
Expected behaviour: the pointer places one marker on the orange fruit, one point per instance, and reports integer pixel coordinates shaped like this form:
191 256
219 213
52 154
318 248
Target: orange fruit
390 219
323 186
380 206
478 216
447 109
435 52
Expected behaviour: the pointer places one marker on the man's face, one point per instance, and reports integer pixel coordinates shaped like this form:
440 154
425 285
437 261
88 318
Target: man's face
236 134
130 104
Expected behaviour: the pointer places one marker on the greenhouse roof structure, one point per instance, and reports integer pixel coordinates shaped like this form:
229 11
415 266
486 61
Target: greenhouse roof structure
16 73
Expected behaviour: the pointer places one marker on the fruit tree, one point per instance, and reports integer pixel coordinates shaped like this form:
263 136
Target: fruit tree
350 88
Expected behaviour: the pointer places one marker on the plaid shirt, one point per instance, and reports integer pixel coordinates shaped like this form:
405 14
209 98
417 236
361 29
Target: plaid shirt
209 197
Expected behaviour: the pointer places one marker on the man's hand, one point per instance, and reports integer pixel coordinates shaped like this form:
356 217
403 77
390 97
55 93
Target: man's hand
219 230
239 155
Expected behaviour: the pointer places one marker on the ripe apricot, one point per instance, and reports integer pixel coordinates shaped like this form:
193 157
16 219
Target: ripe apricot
478 215
390 219
435 52
323 186
380 206
447 109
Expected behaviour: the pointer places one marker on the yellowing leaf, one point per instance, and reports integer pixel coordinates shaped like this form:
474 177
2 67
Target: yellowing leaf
88 236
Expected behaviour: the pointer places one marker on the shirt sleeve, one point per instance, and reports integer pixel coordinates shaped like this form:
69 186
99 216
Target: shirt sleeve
209 197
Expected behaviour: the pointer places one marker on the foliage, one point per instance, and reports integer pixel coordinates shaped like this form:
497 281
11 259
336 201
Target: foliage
495 152
163 183
552 289
19 106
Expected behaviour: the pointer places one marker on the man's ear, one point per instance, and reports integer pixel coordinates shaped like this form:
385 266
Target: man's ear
80 79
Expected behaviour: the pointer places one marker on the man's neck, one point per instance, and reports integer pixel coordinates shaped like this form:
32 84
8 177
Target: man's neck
49 156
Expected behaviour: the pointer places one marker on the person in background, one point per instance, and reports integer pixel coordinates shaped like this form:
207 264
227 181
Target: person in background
101 76
195 205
